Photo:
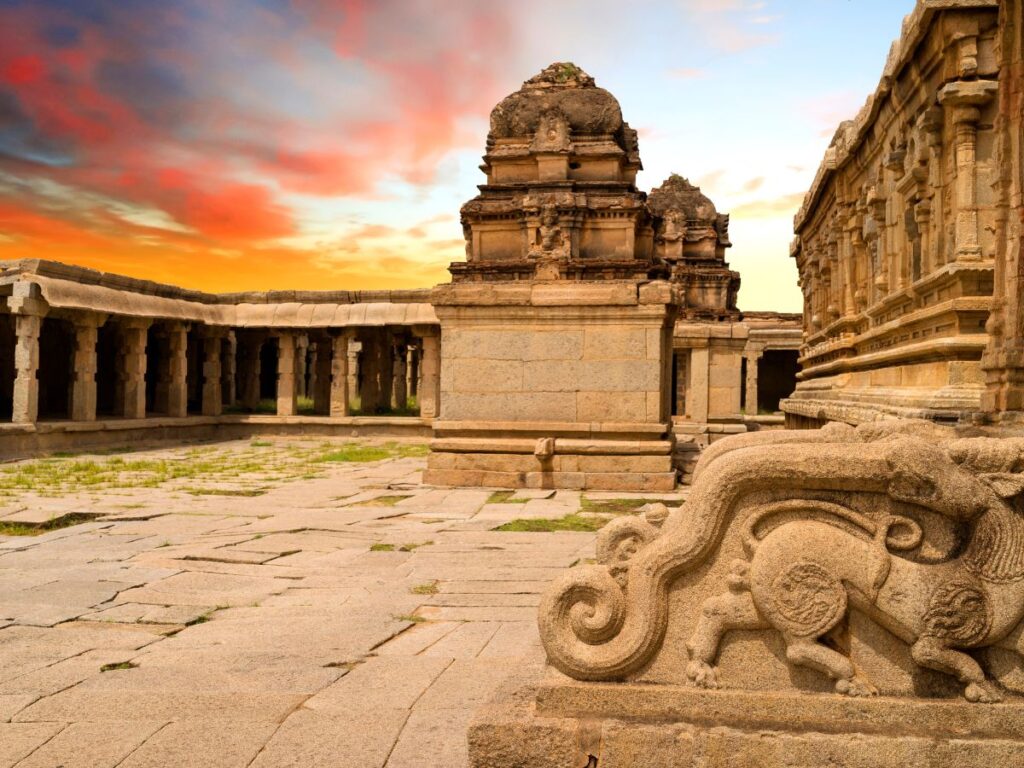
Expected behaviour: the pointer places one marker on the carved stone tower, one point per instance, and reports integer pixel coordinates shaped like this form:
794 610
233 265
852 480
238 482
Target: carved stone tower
556 331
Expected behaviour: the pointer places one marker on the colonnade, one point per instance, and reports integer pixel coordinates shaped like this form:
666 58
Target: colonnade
100 365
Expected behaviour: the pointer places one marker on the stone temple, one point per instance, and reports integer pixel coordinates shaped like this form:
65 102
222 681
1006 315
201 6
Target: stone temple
590 339
842 581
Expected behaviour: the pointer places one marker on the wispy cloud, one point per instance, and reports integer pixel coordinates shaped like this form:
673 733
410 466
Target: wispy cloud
785 205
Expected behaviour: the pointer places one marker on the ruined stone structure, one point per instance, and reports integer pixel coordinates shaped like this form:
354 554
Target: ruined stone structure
89 359
851 595
591 339
587 316
899 237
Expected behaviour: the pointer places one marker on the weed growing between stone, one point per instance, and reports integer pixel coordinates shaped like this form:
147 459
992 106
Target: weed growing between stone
358 452
504 497
410 617
614 506
411 547
381 501
430 588
382 547
37 529
568 523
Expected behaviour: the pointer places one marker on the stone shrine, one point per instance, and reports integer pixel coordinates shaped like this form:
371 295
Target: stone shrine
558 327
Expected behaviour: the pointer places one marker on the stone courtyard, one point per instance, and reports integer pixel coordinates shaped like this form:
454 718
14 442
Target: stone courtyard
267 602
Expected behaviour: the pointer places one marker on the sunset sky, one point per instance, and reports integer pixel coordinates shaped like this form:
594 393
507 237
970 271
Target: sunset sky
253 144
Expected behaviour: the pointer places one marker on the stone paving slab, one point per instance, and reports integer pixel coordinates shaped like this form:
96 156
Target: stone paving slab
263 631
19 740
92 745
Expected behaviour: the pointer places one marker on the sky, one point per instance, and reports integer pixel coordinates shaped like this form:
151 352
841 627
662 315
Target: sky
328 144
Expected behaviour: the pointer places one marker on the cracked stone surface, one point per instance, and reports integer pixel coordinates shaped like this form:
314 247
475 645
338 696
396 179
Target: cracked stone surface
262 630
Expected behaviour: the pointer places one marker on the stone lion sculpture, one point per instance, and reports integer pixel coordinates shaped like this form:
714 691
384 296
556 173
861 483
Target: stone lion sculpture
918 529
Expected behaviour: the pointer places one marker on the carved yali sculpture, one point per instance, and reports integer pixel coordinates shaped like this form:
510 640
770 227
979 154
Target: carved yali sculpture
829 521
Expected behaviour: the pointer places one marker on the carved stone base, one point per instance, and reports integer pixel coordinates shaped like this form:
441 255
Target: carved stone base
565 724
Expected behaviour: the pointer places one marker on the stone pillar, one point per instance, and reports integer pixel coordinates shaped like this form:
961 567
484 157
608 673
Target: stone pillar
430 372
26 366
753 361
321 376
229 371
286 392
177 370
354 349
411 377
340 375
966 98
212 342
301 364
83 383
399 391
132 368
697 396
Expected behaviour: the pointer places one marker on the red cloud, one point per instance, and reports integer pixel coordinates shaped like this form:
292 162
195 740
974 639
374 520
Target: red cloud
236 212
23 70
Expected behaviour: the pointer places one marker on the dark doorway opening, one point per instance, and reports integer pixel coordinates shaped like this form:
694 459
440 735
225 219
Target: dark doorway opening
776 378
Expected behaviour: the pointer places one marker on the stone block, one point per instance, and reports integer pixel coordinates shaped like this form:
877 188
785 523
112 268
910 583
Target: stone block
539 406
565 376
540 344
452 477
474 344
574 481
624 376
570 294
611 406
610 343
659 292
646 746
487 376
620 464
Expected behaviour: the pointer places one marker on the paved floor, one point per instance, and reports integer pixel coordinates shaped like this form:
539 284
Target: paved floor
229 608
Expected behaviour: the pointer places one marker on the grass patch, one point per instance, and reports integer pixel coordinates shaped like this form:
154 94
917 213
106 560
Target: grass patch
358 452
37 529
410 617
411 547
568 523
382 547
504 497
118 665
381 501
226 491
430 588
614 506
198 470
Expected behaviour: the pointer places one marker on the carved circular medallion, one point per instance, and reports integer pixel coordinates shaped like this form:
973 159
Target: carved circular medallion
807 600
959 611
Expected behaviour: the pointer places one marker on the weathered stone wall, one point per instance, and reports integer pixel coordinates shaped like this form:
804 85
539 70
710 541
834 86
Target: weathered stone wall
548 385
896 243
